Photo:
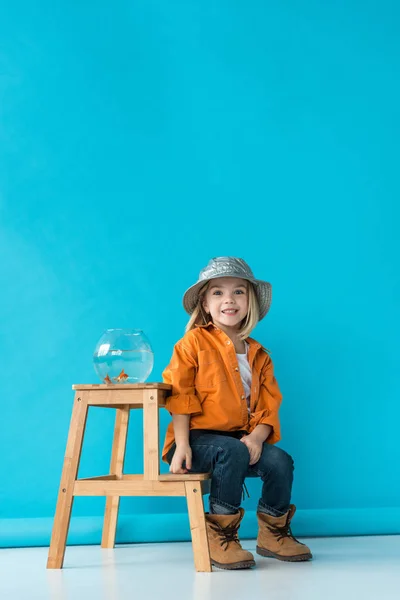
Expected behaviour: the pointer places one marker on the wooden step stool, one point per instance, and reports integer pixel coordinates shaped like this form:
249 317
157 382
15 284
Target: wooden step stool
123 398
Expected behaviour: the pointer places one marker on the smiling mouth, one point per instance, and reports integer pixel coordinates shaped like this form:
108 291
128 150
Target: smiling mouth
230 312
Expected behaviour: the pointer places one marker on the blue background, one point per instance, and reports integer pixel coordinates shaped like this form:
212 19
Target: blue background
140 139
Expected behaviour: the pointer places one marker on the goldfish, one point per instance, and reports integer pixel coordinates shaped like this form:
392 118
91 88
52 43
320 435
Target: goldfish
107 379
121 377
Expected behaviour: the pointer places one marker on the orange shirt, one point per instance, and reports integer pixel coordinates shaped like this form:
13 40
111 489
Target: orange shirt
207 385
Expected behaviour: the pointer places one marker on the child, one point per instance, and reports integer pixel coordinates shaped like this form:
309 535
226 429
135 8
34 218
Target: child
224 405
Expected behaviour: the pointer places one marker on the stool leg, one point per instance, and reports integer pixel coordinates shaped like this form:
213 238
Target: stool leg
68 478
116 468
151 449
198 529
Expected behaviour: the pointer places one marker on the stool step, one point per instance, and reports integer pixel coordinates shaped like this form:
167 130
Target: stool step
184 477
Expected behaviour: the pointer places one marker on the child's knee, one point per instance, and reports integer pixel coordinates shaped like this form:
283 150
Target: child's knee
239 454
276 459
236 453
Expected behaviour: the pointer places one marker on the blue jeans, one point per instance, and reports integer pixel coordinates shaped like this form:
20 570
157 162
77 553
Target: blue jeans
227 458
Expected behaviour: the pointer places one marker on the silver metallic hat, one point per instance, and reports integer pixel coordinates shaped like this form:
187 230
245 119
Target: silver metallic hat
228 266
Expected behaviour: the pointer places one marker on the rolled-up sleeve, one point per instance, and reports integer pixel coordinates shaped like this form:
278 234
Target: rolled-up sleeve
181 373
267 407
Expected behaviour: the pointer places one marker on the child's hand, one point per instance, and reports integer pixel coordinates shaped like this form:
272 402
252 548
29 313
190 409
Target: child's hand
182 453
254 447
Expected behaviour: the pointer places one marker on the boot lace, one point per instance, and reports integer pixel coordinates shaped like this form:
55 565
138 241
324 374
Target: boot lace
226 534
282 532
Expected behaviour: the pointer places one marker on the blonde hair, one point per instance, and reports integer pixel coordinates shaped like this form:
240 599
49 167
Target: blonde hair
200 317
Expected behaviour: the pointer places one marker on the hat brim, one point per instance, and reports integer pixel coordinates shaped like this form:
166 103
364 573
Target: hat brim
263 291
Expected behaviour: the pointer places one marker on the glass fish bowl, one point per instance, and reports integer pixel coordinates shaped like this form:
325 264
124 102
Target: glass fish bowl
123 356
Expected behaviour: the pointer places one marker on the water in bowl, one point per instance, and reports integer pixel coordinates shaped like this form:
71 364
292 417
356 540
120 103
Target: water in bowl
124 366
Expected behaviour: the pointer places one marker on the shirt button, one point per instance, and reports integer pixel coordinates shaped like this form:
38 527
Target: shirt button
243 397
227 343
236 369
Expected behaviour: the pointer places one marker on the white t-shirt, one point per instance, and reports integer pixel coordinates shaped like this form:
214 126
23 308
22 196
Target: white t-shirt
245 372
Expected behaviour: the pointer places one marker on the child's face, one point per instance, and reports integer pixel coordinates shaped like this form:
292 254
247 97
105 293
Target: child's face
227 301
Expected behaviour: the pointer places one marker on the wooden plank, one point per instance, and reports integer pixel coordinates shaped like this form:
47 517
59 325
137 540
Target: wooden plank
151 450
119 443
119 398
205 483
122 386
68 476
115 406
129 488
201 552
116 470
99 478
112 397
187 477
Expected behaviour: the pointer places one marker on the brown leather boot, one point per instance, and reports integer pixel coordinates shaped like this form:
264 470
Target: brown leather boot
225 549
275 538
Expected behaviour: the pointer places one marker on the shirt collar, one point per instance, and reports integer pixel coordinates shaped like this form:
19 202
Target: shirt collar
249 340
205 325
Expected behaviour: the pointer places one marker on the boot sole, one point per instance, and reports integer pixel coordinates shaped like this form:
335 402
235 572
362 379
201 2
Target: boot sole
296 558
245 564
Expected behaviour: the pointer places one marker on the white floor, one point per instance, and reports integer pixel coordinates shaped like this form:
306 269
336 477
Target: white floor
359 568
